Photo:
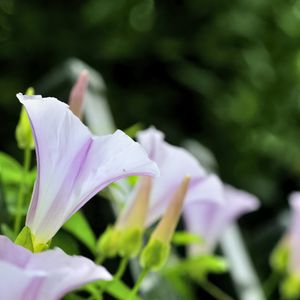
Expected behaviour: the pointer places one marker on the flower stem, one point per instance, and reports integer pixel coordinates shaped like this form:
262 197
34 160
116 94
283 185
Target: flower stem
271 283
138 283
20 201
214 291
100 259
122 268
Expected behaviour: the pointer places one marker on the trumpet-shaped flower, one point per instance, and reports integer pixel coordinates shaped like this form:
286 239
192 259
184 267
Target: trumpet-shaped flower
48 275
73 165
174 163
210 219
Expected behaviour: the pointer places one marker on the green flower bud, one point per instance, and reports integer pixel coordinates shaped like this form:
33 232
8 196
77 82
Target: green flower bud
290 288
280 258
24 135
154 255
108 243
131 241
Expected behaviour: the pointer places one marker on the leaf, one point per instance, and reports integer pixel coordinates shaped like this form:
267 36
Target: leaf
186 238
199 267
66 242
6 230
12 172
81 229
118 289
134 129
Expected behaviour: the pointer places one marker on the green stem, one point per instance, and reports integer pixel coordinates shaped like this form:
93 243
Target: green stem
121 268
100 259
271 283
20 201
214 291
138 283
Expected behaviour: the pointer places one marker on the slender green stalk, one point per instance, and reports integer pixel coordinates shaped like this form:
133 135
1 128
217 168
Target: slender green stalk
271 283
100 259
20 201
214 291
138 283
122 268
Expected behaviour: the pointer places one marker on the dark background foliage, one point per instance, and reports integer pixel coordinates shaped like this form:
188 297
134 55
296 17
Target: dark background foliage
225 73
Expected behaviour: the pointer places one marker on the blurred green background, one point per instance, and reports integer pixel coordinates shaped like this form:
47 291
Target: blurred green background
225 73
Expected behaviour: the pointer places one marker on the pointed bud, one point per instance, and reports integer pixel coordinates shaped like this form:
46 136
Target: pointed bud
135 216
77 93
290 287
131 223
108 243
24 135
156 252
280 256
167 225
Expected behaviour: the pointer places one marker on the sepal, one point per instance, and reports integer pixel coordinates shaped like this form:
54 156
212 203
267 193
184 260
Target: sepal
154 255
27 240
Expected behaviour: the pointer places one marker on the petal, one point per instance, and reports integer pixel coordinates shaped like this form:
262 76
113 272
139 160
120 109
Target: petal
294 200
64 273
13 254
72 164
209 220
16 285
174 163
48 275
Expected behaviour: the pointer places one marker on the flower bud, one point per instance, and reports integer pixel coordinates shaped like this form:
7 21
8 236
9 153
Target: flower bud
280 256
77 94
108 243
167 225
290 287
132 221
156 252
24 135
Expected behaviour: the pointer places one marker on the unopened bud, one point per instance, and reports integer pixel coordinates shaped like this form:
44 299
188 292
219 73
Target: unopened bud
167 225
135 215
280 256
24 134
131 223
156 252
108 243
154 255
290 287
77 94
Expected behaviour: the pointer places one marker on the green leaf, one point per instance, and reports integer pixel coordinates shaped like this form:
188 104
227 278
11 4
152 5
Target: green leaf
12 172
6 230
202 266
118 289
66 242
199 267
134 129
186 238
81 229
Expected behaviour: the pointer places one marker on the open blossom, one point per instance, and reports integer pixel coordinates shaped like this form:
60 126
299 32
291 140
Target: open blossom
73 165
210 219
294 233
174 163
48 275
